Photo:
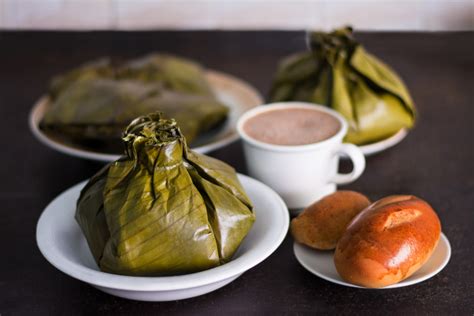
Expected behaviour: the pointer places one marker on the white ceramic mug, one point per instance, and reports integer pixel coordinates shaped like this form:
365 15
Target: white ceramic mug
301 174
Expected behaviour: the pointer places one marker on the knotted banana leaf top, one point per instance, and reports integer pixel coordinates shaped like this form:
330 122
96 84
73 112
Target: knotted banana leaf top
340 73
163 209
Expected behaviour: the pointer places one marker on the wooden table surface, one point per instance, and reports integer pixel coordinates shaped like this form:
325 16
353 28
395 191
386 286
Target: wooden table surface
435 162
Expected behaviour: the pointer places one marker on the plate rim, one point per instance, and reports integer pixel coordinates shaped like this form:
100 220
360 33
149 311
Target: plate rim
400 284
384 144
41 102
93 277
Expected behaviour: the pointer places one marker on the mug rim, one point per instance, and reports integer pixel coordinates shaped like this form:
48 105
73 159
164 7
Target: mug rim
290 105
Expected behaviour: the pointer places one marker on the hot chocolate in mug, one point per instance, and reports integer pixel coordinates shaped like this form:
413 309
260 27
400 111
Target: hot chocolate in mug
301 173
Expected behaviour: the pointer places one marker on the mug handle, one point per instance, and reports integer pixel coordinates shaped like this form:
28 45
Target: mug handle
358 162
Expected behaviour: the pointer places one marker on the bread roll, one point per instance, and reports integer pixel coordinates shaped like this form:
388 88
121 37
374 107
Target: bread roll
387 242
321 224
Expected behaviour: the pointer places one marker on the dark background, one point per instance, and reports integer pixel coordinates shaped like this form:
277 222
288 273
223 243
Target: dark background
434 162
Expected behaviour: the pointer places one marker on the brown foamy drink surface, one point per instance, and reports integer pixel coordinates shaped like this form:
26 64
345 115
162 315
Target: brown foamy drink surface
291 127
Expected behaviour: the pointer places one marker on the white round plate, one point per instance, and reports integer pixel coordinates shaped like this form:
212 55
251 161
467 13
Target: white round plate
373 148
321 264
237 94
62 243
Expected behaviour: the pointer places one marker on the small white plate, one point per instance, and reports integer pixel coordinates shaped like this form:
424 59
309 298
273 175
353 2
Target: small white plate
62 243
321 264
373 148
237 94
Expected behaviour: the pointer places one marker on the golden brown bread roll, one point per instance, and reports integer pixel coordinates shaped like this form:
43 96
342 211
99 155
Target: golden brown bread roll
321 224
387 242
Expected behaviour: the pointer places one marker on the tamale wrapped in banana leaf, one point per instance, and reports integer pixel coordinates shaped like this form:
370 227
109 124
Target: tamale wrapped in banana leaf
338 72
172 72
163 209
98 100
100 109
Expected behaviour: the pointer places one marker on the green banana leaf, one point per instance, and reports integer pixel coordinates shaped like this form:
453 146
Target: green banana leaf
98 100
163 209
339 73
101 68
100 109
174 73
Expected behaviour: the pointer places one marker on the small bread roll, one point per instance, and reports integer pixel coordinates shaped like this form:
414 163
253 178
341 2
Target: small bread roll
321 224
387 242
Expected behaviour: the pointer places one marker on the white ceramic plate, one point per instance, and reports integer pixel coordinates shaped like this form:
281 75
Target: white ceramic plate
238 95
384 144
321 264
62 243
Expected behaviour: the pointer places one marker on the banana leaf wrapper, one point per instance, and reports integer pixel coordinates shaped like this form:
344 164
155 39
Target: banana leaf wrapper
101 68
173 73
338 72
163 209
100 109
